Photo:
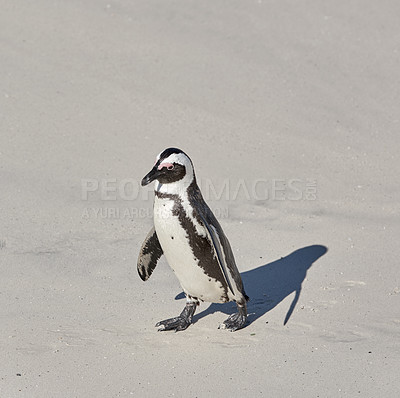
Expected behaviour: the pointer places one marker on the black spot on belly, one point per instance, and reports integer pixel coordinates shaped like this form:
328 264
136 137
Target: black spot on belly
172 237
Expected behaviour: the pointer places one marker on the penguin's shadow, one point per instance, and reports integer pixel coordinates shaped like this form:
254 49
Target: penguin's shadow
269 284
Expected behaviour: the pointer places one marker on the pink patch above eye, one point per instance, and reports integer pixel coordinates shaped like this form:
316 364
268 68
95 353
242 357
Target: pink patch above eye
169 166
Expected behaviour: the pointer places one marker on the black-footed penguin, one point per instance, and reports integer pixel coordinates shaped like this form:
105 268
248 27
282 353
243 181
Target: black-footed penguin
188 234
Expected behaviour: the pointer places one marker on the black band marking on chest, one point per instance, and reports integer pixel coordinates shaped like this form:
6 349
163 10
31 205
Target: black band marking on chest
201 246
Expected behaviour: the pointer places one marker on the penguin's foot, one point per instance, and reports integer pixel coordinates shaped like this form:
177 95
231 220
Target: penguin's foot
180 322
235 321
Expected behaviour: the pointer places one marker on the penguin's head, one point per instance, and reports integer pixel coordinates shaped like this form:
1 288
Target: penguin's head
172 166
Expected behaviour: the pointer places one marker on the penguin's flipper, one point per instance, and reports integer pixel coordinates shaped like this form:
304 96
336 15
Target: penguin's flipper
223 253
149 254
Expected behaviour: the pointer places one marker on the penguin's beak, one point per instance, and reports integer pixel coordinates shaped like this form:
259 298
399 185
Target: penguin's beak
151 176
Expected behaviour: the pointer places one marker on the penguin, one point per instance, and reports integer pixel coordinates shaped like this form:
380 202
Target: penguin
188 234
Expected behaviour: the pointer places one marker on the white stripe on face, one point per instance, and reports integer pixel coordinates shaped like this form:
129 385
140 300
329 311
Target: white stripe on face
180 185
179 158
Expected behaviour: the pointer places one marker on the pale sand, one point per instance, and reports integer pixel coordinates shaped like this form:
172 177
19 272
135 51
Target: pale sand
251 90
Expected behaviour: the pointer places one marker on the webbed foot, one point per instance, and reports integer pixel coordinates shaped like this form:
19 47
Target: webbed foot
235 321
180 322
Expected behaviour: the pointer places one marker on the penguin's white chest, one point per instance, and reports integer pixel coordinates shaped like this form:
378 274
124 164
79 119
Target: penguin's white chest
176 246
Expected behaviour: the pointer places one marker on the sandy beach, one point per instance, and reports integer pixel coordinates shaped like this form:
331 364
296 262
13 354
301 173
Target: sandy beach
290 112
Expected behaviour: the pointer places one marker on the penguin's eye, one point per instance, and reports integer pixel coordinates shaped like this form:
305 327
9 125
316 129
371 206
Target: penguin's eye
170 167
